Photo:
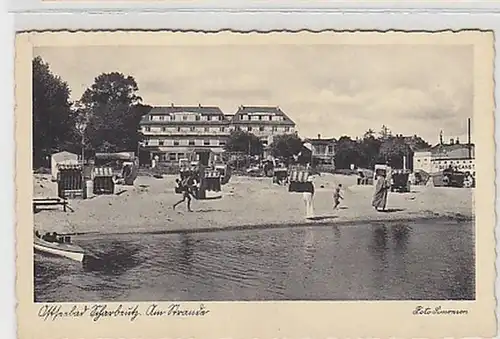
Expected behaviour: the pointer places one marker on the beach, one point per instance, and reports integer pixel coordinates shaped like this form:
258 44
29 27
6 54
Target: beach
247 203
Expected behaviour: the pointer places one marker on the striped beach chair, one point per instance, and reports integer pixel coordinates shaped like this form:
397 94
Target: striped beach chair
103 180
299 181
69 180
212 180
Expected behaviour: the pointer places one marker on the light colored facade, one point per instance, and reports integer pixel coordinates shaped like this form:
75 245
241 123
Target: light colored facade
442 156
323 150
172 132
265 122
422 160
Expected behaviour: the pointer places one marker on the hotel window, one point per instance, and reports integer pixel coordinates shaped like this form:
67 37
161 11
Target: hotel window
163 129
261 128
162 117
260 117
197 118
287 129
178 129
191 142
184 117
249 128
172 157
176 142
207 129
191 129
161 143
206 142
148 129
220 118
275 129
146 142
222 129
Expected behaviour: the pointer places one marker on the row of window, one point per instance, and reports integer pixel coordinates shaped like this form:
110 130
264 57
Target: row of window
262 117
446 161
263 129
186 129
186 117
207 142
215 129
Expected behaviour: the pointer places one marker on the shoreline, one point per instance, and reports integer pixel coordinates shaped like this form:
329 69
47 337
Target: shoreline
306 224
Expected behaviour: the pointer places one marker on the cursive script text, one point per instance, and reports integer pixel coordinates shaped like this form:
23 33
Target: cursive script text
421 310
176 310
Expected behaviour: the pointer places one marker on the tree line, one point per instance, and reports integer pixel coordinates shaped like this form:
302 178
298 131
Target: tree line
362 152
106 119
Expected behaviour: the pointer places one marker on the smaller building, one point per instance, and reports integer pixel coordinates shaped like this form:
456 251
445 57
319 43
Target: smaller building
441 156
323 150
422 160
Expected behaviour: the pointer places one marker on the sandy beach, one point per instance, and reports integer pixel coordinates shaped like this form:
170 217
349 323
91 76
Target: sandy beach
246 203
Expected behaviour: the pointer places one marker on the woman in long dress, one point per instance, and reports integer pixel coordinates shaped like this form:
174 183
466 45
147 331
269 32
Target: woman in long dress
380 196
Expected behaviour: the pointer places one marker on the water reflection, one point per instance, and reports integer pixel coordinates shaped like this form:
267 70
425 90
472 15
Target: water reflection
113 260
401 235
309 249
358 262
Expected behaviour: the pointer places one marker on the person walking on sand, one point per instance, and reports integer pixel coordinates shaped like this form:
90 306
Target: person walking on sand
308 195
337 196
380 196
183 187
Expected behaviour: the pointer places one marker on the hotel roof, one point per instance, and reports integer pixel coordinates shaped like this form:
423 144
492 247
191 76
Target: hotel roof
206 110
264 110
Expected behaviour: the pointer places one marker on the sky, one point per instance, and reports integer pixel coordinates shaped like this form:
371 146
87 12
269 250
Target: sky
332 90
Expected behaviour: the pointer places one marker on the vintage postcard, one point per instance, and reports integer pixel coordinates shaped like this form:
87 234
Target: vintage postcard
250 185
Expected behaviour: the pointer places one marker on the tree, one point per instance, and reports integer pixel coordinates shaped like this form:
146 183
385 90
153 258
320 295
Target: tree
385 132
347 152
113 111
393 149
370 148
286 146
53 120
241 141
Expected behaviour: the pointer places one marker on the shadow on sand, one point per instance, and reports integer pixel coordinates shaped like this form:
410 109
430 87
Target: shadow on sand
323 217
207 210
392 210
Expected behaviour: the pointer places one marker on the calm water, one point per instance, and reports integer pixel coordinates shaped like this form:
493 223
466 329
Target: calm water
375 261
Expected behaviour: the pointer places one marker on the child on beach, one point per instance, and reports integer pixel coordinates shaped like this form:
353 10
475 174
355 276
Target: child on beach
184 187
337 196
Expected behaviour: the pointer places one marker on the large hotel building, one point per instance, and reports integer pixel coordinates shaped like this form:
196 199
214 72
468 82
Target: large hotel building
171 132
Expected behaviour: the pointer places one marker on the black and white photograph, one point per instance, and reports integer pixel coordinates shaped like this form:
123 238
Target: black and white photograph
215 173
257 169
